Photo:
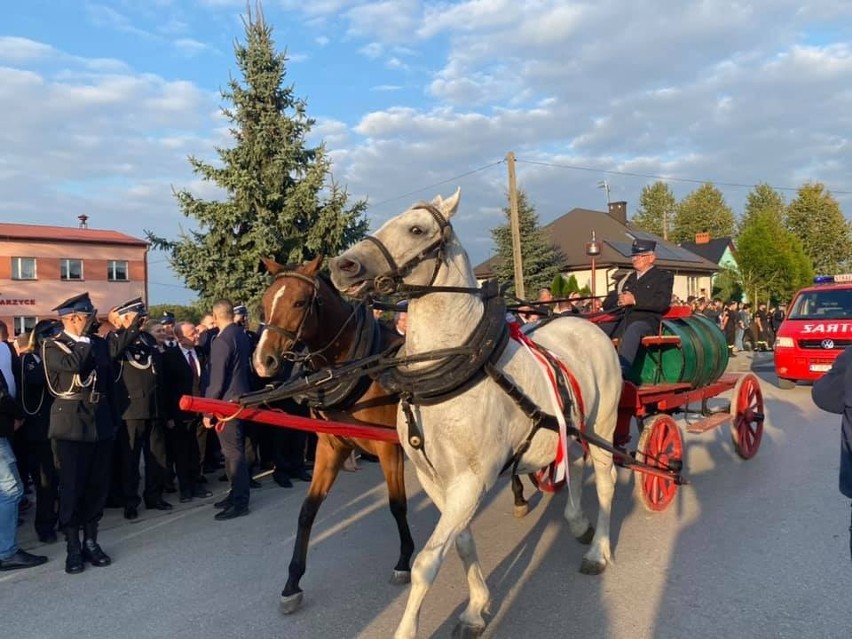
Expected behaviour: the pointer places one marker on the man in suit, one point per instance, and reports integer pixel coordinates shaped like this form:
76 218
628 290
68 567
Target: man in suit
137 391
641 297
229 365
83 423
182 368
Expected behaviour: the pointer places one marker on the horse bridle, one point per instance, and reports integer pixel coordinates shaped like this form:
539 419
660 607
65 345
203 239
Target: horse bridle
297 335
392 281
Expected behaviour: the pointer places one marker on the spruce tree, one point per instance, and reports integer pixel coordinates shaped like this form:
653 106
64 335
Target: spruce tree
280 200
657 205
816 219
541 260
703 211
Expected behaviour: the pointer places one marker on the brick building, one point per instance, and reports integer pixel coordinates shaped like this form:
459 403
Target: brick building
40 266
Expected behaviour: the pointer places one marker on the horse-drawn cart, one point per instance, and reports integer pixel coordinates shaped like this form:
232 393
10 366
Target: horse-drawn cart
678 371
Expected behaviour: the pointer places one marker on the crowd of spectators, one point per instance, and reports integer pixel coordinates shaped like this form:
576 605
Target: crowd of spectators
127 375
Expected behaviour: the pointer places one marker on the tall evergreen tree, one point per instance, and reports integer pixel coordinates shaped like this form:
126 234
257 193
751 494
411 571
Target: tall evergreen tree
815 217
657 206
280 199
541 259
703 211
772 263
763 198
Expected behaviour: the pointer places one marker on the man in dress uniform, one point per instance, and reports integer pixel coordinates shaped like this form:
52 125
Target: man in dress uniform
642 297
78 373
168 322
138 366
36 402
833 393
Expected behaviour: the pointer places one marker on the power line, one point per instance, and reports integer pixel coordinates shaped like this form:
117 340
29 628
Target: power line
442 182
573 167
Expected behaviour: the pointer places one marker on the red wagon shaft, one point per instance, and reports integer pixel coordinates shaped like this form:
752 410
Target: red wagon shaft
229 410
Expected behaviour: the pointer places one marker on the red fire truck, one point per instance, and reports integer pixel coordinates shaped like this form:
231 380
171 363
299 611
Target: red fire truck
817 328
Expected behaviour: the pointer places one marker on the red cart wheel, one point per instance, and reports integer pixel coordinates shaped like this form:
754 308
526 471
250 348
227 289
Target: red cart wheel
541 480
659 444
747 427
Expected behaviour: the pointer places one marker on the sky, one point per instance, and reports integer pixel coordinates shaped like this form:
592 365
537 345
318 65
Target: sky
101 103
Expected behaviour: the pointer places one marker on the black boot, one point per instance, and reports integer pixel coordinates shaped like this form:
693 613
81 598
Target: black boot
91 551
74 560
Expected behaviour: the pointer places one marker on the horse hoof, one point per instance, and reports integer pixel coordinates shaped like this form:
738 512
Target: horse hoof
400 577
587 537
588 567
465 631
291 603
522 510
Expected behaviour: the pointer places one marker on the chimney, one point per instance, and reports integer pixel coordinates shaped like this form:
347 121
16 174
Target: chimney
618 210
83 221
702 238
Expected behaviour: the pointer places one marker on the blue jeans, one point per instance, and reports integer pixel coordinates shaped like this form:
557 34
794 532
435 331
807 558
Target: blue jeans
11 491
738 339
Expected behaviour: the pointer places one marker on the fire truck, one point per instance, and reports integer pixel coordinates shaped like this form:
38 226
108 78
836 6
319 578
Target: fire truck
817 328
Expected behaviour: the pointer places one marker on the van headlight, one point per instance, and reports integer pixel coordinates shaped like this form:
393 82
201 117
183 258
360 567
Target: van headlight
784 342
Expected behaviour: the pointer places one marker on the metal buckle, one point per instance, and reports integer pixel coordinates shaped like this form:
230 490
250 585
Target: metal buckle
94 397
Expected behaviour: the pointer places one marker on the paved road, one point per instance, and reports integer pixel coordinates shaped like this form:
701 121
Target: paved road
751 549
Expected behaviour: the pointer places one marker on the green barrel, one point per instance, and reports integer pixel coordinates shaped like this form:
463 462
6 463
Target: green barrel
699 359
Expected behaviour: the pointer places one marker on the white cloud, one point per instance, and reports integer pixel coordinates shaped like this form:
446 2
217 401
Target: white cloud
18 50
190 47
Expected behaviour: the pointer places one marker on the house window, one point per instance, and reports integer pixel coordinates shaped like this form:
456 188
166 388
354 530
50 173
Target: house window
23 268
70 269
117 271
24 324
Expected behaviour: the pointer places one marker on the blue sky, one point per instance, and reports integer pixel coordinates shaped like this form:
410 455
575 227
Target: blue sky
103 101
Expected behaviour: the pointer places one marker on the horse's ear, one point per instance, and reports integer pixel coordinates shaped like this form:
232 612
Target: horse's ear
314 265
450 205
271 265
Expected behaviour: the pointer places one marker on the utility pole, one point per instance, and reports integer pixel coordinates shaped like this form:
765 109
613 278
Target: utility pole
515 228
603 184
666 225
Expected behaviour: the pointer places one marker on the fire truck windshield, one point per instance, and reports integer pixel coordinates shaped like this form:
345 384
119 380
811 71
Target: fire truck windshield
822 304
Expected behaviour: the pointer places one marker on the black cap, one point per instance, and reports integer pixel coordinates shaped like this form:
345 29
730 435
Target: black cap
41 331
167 318
77 304
643 246
136 305
240 309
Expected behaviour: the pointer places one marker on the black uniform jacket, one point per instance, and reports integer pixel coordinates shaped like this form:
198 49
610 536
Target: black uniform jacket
10 408
653 294
180 380
34 398
80 413
137 366
833 393
229 364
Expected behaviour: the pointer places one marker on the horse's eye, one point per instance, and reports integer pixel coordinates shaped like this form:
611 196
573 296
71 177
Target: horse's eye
415 230
299 304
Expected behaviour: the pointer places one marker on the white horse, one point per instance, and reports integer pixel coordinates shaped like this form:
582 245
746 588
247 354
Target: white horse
467 439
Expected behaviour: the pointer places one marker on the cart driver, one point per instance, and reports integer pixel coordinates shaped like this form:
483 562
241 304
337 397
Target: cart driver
642 297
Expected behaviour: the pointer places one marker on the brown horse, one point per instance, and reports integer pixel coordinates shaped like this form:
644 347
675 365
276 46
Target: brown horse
302 309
